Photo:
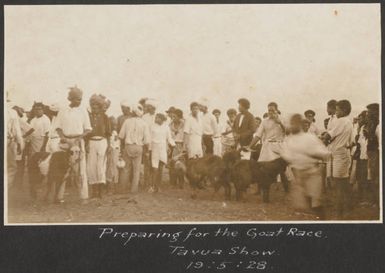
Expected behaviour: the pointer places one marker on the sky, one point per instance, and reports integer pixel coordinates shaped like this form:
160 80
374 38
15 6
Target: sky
298 55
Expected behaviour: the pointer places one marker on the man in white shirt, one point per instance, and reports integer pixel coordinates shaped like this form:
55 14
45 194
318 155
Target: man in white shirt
313 129
210 128
135 137
73 125
160 139
15 142
340 137
41 125
149 119
331 110
26 131
272 133
54 139
193 130
329 124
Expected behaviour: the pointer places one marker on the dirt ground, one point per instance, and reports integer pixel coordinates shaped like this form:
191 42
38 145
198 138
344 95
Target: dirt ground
170 205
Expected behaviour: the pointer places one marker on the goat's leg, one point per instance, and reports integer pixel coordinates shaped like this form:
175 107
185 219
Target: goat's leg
51 188
180 179
238 194
227 192
265 194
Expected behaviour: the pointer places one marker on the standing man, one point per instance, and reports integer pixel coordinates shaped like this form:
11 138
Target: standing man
210 127
272 133
38 142
329 124
73 125
244 124
26 131
135 136
170 113
340 137
193 130
258 146
126 113
331 110
360 155
54 139
15 142
41 125
372 132
149 119
313 129
97 142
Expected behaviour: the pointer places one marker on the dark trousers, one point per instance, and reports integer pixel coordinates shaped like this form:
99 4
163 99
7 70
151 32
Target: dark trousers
343 195
147 170
285 181
157 176
208 144
21 167
362 175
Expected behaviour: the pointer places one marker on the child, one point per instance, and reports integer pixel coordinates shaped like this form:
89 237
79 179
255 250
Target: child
303 151
113 154
228 141
177 134
160 137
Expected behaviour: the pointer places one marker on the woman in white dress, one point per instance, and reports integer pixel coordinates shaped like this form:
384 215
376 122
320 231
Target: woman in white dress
217 137
193 130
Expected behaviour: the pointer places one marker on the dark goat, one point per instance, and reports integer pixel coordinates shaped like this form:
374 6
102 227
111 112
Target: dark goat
209 167
242 173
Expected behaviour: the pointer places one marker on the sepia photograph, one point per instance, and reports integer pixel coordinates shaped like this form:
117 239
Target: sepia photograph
146 114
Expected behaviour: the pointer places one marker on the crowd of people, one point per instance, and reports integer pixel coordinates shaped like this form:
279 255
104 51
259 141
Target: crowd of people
342 156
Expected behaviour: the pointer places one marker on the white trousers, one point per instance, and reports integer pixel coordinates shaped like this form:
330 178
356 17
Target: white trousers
194 146
97 161
217 146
